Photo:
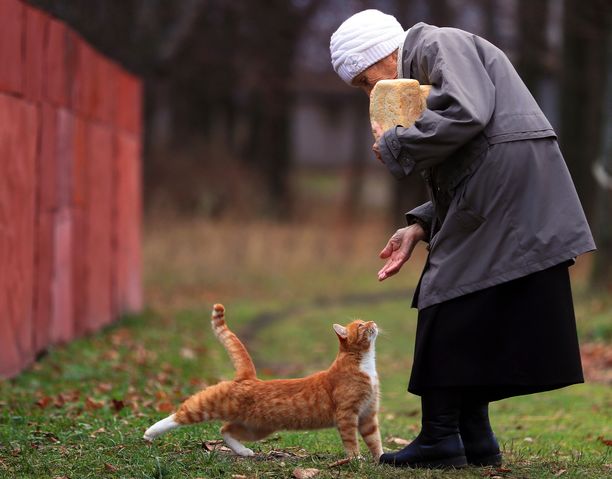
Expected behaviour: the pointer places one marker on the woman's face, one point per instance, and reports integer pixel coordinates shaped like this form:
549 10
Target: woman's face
385 69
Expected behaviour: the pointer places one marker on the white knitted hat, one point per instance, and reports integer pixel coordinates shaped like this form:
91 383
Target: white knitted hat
362 40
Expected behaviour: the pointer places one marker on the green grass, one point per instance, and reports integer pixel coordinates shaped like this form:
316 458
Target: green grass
81 411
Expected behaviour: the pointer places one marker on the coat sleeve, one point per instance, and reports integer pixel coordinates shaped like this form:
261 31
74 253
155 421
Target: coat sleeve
423 215
459 106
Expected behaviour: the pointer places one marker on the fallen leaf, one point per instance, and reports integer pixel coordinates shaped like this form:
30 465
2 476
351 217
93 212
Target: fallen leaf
109 467
164 406
97 431
398 440
188 353
560 471
607 442
217 445
300 473
103 387
528 439
43 402
117 404
92 404
341 462
60 400
238 476
503 470
280 453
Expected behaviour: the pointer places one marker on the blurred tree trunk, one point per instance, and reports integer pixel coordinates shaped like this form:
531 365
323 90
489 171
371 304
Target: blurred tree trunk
441 13
585 27
272 38
489 14
602 269
532 43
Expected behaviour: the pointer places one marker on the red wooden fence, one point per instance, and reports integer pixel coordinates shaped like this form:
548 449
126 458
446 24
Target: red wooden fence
70 186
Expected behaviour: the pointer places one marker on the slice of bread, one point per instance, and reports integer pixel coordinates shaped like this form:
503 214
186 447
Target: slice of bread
396 102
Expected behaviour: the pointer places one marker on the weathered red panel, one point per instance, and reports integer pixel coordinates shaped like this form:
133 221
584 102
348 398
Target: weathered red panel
18 132
56 79
128 226
79 226
129 103
79 272
62 323
107 89
48 168
99 225
65 157
11 31
43 275
86 91
79 163
35 30
43 280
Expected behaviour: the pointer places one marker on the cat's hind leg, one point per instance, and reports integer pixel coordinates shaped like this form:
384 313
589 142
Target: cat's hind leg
233 433
160 427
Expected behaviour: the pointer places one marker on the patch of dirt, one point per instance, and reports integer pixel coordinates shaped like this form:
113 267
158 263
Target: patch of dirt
597 362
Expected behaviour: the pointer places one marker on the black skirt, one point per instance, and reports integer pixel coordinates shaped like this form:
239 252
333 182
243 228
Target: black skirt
511 339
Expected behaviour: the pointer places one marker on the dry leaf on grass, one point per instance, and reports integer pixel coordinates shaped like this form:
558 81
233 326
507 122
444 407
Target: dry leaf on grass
398 440
44 401
281 453
109 467
164 406
217 445
238 476
96 432
560 472
117 404
92 404
607 442
341 462
300 473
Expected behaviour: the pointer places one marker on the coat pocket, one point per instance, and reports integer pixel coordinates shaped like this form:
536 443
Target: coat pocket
466 219
458 224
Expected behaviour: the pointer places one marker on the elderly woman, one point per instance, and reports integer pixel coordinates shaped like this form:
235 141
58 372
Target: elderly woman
504 223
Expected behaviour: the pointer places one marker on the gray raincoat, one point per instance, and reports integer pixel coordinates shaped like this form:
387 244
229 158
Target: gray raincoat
503 204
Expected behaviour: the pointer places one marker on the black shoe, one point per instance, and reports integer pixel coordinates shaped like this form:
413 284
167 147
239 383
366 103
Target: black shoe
438 445
481 447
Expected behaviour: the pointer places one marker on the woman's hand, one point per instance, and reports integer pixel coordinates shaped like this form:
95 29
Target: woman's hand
378 133
399 248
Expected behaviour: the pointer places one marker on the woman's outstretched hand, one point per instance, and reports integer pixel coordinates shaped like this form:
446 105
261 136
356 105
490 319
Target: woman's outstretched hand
399 248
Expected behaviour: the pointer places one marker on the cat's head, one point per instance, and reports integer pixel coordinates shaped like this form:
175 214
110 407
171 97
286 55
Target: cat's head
357 336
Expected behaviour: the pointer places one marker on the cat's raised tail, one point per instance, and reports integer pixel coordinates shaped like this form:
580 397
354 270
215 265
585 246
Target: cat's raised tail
245 369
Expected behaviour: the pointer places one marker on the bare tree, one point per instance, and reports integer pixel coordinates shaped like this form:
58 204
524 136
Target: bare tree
532 44
602 269
585 27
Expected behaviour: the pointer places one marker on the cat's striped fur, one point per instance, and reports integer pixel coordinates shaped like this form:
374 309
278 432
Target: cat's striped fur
345 395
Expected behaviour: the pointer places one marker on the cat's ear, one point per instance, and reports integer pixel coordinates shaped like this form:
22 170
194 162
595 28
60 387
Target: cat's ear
341 331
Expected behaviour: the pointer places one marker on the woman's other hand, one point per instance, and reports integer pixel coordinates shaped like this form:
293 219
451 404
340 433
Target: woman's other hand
399 248
377 131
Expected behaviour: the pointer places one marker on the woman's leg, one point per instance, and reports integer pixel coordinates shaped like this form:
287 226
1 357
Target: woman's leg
438 444
481 447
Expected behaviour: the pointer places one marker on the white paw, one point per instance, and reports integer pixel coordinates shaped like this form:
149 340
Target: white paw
148 438
245 452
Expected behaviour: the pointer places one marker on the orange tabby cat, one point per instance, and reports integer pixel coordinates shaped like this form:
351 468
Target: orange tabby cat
345 395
